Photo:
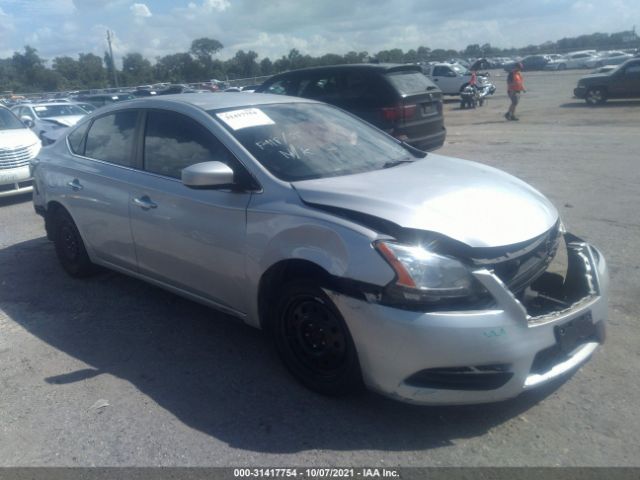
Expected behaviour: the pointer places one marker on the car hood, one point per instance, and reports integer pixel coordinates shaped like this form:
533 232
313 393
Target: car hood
65 120
472 203
594 77
16 138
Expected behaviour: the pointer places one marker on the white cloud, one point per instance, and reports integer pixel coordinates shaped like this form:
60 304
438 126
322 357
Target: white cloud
218 5
140 10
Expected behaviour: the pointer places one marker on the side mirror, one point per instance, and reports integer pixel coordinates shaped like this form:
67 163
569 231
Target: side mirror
207 175
27 121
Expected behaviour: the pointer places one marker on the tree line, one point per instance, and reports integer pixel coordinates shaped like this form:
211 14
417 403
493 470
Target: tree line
26 71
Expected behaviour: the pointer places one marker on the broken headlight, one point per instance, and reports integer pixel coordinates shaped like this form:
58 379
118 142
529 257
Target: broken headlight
424 276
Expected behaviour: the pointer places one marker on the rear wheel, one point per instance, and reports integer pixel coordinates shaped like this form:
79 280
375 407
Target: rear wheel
596 96
562 66
69 246
313 340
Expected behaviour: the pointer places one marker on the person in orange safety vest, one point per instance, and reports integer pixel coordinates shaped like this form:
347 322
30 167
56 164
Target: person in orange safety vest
515 86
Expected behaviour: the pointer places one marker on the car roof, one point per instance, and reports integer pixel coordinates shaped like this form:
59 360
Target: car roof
213 101
47 104
379 67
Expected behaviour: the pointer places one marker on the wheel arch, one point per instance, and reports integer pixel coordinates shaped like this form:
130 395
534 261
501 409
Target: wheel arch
282 272
53 207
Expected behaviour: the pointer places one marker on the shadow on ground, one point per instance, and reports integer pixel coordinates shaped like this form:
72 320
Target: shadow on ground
214 374
608 104
15 199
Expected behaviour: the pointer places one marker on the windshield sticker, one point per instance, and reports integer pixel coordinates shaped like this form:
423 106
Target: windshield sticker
245 118
40 109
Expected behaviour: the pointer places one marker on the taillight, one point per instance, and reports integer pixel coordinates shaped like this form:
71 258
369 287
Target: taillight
399 112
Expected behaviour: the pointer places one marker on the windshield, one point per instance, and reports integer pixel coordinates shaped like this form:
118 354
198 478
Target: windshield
459 69
300 141
8 121
47 111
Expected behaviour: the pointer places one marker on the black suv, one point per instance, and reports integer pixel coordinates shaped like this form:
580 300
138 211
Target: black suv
621 82
398 99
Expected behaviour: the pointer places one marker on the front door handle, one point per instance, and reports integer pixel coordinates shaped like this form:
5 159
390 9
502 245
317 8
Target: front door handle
144 203
75 185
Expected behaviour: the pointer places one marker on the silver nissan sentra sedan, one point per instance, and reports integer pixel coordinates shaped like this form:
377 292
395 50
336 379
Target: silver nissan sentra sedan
430 279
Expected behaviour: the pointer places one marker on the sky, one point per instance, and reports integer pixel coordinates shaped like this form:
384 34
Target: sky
273 27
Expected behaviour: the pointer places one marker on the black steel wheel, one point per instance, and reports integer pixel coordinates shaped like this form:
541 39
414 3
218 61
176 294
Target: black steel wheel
313 340
596 96
69 246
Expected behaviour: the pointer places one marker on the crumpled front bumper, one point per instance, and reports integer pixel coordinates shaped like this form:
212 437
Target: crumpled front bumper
394 345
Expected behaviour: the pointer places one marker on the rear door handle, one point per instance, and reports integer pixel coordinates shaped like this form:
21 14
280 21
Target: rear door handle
75 185
144 203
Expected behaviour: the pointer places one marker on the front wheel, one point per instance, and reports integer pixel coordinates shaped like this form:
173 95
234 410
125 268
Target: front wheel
596 96
313 340
69 246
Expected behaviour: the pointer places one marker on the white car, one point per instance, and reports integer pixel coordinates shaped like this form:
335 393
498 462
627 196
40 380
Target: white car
572 60
18 145
609 58
451 78
49 120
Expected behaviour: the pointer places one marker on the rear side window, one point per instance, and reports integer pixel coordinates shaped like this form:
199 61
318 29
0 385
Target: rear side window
324 87
285 86
76 139
408 83
174 141
111 138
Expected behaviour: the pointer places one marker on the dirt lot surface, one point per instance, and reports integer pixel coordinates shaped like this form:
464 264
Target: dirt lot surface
111 371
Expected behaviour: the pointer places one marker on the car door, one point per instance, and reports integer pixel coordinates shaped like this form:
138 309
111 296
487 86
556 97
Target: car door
446 79
96 183
627 83
190 239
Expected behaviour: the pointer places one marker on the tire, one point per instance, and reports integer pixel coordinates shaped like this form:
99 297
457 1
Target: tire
562 66
596 96
313 341
69 246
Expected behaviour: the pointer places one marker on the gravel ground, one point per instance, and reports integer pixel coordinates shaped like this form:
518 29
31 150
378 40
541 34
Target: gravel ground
110 371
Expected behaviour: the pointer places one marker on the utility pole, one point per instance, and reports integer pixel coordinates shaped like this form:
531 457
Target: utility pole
113 62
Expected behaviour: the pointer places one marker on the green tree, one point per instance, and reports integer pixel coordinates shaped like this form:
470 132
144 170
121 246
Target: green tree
356 57
136 69
203 50
92 71
390 56
69 69
177 68
266 66
243 65
28 66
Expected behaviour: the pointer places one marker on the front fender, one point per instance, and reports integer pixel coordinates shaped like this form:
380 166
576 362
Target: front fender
342 249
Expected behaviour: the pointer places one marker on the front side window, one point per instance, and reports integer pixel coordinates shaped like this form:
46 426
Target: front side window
320 88
281 87
76 139
299 141
111 138
440 71
174 141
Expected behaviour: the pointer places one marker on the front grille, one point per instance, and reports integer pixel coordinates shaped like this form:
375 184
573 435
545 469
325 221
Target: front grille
519 269
16 157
